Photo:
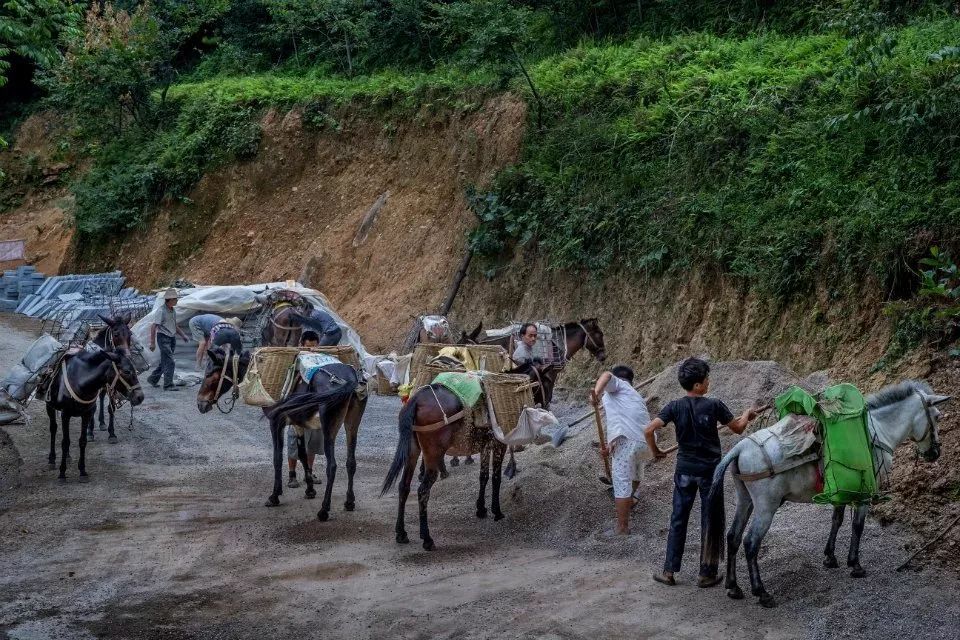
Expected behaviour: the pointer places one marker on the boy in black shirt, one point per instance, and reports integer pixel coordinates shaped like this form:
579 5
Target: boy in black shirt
695 419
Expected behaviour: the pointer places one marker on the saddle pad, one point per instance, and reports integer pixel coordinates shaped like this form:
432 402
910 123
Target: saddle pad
466 386
309 363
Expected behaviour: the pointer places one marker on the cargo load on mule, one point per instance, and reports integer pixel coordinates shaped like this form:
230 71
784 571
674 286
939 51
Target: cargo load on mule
30 375
273 371
847 460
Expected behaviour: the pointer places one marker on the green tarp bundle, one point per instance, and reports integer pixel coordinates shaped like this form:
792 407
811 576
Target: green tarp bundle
465 385
848 473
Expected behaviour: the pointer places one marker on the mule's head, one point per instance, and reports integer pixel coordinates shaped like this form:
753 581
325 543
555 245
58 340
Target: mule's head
924 428
218 378
118 331
127 383
593 340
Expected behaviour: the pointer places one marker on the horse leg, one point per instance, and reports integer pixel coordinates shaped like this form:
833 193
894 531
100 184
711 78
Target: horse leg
830 561
111 434
735 537
484 477
310 493
404 490
352 424
423 497
276 434
86 425
499 449
853 558
102 423
64 444
329 442
52 458
758 529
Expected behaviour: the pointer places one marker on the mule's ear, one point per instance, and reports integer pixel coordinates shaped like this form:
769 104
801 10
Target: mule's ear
110 321
934 400
126 318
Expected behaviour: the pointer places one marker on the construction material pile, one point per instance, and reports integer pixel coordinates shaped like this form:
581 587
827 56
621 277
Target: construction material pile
17 284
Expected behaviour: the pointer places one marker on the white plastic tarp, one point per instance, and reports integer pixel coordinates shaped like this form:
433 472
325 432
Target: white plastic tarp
235 300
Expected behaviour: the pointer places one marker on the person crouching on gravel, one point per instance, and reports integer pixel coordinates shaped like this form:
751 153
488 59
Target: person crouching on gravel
312 438
696 419
626 414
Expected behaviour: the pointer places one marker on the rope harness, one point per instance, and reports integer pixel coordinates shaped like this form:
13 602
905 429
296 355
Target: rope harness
232 361
117 378
447 420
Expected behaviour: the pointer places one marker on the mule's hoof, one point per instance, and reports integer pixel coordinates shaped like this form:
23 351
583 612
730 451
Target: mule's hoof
830 562
766 601
498 516
482 512
62 479
310 493
103 426
323 516
428 545
444 474
349 506
858 572
735 593
402 538
52 466
454 462
113 439
84 478
272 501
469 460
90 437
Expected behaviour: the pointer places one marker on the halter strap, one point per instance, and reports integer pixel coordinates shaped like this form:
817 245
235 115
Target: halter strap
588 337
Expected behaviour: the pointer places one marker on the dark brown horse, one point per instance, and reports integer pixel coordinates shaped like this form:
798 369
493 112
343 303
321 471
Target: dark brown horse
428 423
282 328
327 402
73 391
574 336
116 335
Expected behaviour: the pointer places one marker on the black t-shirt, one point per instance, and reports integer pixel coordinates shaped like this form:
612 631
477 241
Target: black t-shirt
696 421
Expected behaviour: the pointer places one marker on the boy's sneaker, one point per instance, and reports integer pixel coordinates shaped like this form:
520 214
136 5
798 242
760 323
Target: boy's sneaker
171 387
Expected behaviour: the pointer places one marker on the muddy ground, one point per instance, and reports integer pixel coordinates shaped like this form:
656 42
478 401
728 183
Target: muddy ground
170 539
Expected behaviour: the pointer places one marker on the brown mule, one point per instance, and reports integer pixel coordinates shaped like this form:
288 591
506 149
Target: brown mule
576 335
427 425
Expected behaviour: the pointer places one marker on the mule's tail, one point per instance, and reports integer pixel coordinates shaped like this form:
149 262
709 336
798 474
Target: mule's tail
713 537
405 427
322 401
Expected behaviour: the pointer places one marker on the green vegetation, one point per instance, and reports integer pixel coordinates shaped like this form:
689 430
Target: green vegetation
786 143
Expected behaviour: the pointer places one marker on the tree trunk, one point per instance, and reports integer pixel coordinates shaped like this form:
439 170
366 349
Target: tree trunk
457 281
533 88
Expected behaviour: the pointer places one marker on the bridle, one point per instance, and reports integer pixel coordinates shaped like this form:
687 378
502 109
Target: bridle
117 378
931 431
229 361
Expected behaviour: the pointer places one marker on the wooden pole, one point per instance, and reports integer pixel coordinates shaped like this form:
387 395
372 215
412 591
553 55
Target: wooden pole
924 547
457 280
603 439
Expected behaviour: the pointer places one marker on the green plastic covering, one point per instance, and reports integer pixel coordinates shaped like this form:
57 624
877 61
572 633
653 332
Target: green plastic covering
848 473
465 386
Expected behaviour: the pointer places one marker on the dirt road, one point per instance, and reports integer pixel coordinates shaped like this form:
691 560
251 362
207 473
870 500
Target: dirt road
171 540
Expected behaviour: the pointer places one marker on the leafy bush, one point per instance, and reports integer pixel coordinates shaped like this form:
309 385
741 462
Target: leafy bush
725 153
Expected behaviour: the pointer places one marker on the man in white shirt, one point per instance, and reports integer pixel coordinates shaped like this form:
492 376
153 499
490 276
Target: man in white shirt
523 353
626 416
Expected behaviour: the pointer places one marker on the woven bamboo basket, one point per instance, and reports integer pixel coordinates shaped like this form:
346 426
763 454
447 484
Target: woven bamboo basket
273 363
489 357
428 372
509 394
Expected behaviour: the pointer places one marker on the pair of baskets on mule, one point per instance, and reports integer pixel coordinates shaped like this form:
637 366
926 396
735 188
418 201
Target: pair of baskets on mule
486 357
273 371
505 396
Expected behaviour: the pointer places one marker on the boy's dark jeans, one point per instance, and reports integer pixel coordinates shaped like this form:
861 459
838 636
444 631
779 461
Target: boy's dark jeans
166 345
685 489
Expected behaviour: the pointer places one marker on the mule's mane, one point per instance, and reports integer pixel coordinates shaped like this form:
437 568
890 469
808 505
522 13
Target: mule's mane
896 393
